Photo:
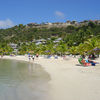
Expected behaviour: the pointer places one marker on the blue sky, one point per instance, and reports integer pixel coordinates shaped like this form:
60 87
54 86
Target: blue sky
26 11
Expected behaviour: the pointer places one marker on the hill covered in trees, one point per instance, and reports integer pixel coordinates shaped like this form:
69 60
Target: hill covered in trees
72 35
78 34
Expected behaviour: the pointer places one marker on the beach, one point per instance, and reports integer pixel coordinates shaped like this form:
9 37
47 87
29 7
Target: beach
69 81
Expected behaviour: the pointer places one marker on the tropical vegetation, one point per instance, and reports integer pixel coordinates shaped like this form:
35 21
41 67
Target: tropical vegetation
74 40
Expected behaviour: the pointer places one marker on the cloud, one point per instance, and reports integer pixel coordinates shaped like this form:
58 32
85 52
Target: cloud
60 15
6 23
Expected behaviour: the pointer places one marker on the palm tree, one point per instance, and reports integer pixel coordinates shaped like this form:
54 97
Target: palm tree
82 48
61 48
88 45
92 43
73 50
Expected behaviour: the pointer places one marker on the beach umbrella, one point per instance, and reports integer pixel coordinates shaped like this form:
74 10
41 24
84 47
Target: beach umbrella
96 49
47 51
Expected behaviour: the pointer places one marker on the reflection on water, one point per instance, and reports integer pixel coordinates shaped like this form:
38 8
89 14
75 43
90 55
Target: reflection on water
23 81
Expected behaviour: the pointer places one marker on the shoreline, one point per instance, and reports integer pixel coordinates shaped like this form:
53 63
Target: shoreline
68 81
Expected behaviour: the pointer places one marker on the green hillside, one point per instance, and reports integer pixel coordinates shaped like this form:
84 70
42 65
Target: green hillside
72 36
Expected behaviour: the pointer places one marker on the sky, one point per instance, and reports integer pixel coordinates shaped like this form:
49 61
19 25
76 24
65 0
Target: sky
14 12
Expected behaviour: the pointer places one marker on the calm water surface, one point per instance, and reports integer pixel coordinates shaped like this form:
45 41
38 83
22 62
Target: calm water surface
23 81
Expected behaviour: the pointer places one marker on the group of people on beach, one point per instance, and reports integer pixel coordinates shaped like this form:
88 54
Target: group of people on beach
32 56
86 61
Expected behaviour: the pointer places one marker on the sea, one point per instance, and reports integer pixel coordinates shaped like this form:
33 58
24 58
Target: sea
21 80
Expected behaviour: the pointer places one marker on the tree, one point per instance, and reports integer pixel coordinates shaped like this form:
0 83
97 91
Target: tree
91 24
61 48
92 43
73 50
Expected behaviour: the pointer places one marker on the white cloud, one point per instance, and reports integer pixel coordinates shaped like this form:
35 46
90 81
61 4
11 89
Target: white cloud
6 23
60 14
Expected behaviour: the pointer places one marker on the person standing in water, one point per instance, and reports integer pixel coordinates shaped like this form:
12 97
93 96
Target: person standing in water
37 55
33 57
29 56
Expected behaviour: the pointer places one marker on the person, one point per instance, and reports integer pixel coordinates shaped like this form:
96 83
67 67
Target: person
92 62
86 63
83 56
56 57
83 62
37 55
29 57
92 56
33 57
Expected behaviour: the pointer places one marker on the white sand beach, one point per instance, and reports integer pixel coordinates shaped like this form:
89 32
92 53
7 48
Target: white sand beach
69 81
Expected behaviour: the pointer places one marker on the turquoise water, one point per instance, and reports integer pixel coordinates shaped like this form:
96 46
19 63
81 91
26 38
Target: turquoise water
23 81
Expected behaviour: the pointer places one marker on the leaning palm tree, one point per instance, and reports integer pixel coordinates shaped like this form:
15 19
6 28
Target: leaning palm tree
92 43
88 45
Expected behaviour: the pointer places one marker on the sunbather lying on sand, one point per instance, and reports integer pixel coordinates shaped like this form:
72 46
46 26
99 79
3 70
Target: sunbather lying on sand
87 62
